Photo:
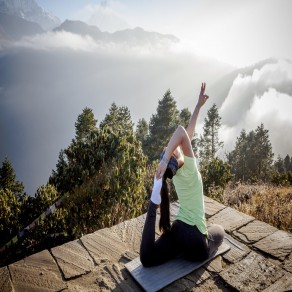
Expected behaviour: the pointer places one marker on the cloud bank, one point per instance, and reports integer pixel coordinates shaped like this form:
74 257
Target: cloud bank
265 97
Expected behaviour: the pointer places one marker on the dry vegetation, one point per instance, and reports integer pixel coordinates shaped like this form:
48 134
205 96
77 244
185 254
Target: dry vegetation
267 203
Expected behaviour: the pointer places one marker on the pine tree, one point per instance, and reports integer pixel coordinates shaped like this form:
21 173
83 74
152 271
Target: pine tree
237 158
252 157
287 163
279 164
209 142
85 124
118 119
162 125
185 116
263 152
8 179
142 131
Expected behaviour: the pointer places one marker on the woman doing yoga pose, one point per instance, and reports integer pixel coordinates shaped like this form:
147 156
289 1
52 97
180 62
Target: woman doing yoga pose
188 235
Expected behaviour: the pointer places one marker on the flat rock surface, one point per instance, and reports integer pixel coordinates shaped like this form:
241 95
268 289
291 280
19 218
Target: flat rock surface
104 245
73 259
283 284
5 282
230 219
237 249
253 273
215 265
130 232
288 263
254 231
213 284
105 277
260 258
212 207
278 244
39 272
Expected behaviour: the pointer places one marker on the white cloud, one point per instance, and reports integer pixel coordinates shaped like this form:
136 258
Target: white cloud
263 97
245 88
56 40
66 40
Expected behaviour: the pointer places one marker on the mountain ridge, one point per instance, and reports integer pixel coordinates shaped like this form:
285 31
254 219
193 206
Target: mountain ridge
14 27
29 10
137 35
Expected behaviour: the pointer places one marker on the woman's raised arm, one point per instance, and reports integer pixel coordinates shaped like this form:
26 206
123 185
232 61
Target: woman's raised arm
193 120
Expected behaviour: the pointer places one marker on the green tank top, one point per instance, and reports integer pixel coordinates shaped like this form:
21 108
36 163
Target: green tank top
189 187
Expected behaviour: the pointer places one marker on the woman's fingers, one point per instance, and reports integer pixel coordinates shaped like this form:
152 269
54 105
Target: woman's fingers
160 171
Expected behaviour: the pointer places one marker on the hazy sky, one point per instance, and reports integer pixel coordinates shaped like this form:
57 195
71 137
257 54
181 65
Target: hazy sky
238 32
47 79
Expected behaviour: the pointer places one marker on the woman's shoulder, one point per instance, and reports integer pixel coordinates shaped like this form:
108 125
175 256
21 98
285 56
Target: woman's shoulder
190 163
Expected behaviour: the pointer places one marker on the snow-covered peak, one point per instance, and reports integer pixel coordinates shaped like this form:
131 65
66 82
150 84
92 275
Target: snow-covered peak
31 11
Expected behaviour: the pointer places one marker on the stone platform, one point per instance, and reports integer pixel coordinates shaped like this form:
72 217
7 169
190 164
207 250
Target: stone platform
260 259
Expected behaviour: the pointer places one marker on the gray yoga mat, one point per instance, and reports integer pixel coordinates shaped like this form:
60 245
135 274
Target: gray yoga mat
155 278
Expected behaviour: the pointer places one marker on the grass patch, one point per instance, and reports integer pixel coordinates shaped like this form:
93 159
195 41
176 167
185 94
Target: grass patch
270 204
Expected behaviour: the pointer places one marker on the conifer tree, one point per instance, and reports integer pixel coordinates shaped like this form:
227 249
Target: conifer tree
209 142
185 116
162 125
279 164
237 158
142 131
118 119
85 124
252 157
263 152
287 163
8 179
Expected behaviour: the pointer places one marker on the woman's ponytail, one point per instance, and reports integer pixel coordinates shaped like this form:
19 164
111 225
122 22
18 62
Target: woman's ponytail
164 222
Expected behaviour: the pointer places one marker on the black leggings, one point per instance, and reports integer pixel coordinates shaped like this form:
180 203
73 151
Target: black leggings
182 239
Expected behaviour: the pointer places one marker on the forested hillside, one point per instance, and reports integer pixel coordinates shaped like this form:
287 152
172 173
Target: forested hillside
104 176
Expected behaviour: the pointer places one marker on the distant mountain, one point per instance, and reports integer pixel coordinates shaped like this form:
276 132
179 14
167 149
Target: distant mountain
136 36
29 10
81 28
13 27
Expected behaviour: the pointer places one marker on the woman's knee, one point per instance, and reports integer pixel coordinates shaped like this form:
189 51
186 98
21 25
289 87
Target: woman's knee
216 232
146 261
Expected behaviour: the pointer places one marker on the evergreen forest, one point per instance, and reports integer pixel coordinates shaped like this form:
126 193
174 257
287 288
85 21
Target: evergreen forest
105 175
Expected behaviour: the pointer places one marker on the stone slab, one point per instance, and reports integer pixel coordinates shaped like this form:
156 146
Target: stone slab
198 276
189 282
73 259
212 207
105 277
283 284
215 265
278 244
104 245
5 282
214 284
288 264
130 233
230 219
254 231
38 272
253 273
237 250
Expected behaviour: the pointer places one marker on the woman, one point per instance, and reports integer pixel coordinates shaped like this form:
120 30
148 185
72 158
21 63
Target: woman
188 235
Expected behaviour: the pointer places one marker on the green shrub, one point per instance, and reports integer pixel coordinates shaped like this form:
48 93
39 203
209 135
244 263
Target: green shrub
216 174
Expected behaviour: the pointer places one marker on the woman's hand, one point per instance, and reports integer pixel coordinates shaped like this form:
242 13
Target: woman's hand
161 168
202 97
